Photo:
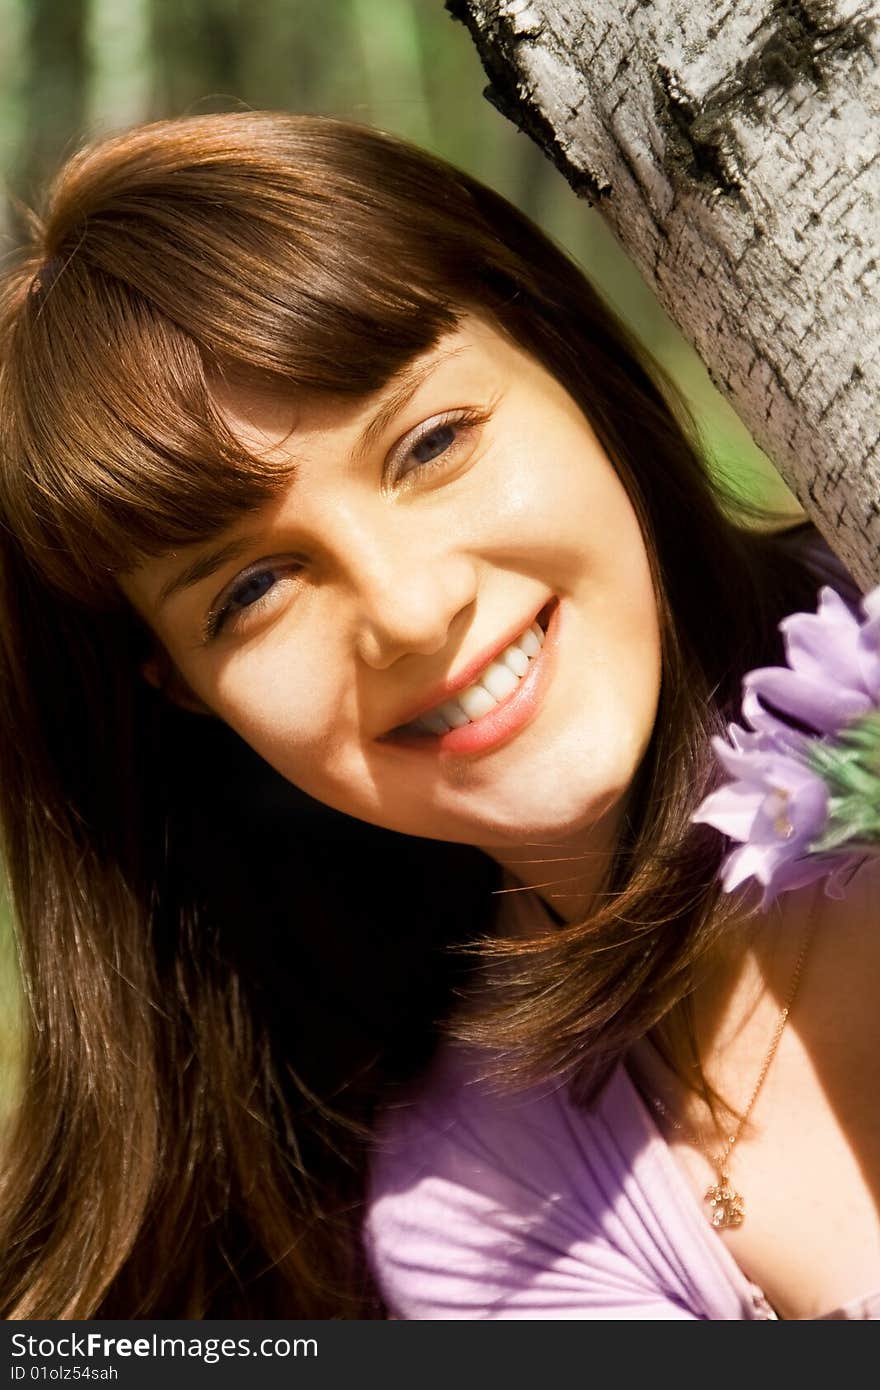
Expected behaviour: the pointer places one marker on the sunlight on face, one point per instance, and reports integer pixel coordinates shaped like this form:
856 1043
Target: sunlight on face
390 564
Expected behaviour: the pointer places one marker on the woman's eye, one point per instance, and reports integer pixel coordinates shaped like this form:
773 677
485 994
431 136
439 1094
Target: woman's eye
435 442
252 588
439 440
248 593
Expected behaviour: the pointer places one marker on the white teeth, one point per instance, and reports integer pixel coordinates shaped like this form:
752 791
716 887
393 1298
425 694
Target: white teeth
515 659
476 702
499 680
531 644
435 722
453 713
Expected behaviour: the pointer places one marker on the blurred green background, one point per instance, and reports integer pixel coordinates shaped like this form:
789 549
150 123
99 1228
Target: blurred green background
74 69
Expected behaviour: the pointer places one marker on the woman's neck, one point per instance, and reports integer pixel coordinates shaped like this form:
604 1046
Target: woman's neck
745 979
566 875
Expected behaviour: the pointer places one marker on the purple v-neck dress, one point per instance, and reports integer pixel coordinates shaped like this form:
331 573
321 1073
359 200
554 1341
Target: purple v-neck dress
485 1206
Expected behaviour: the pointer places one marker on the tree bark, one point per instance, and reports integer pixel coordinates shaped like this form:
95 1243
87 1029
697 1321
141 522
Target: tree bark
734 147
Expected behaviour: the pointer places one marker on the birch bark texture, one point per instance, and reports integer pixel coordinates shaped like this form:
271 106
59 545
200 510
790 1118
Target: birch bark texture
734 148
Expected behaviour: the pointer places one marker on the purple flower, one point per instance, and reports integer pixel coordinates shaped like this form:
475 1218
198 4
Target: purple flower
833 672
775 806
802 806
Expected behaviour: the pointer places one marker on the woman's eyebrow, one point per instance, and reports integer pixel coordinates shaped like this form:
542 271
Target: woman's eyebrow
407 384
202 567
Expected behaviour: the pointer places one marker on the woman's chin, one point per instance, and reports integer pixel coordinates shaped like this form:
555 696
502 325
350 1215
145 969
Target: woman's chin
541 823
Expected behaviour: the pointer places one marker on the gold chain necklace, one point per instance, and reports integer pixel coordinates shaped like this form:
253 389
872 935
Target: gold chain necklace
728 1205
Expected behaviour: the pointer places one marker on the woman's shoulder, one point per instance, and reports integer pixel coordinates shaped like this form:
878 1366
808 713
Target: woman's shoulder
457 1120
492 1205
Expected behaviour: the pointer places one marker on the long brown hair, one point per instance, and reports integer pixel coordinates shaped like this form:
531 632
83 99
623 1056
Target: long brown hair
202 1057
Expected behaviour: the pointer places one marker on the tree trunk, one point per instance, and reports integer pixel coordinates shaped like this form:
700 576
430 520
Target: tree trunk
734 147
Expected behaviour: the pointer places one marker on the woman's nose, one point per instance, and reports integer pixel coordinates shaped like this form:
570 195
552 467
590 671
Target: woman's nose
407 599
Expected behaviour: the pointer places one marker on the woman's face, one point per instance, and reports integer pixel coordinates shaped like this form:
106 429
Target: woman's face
413 545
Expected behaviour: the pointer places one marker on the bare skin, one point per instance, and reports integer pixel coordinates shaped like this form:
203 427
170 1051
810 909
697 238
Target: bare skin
808 1163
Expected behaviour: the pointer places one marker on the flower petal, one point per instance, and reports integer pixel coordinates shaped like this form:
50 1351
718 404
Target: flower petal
823 704
824 645
769 726
869 643
871 604
793 812
797 873
745 862
776 803
731 809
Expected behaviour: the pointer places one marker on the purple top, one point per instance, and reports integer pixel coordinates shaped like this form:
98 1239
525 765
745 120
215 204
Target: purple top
491 1206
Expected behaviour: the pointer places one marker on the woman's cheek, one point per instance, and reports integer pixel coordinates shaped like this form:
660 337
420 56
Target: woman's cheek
290 714
530 518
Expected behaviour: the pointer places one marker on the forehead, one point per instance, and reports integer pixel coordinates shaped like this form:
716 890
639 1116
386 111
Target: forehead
271 423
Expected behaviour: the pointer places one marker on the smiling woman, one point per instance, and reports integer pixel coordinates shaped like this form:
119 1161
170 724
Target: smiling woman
360 588
378 585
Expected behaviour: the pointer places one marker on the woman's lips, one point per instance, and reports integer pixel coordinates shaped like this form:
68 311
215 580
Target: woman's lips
507 718
448 689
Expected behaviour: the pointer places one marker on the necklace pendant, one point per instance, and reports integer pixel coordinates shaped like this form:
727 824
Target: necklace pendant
728 1207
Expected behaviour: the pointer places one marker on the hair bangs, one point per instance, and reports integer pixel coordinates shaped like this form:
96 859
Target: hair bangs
183 272
118 451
